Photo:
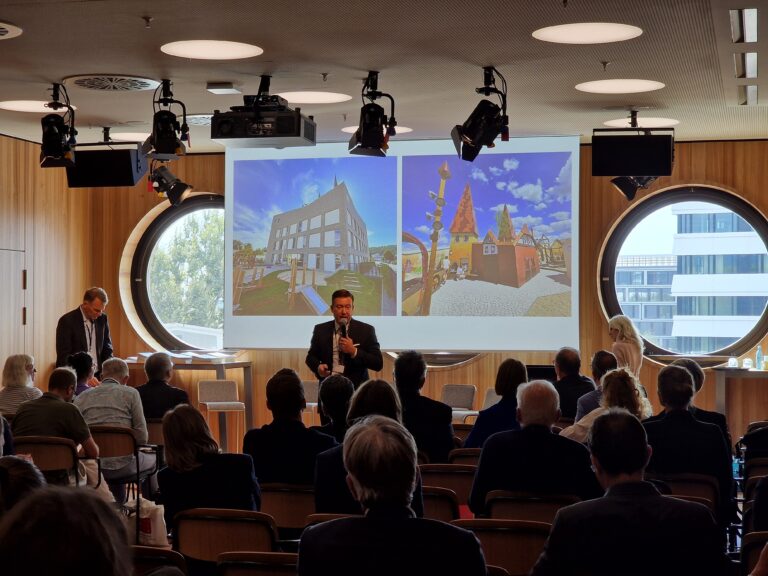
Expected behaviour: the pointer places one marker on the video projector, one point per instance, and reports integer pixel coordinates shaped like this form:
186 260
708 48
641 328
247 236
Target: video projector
264 122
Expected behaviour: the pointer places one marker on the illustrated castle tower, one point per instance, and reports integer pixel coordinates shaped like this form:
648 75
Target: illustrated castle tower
463 231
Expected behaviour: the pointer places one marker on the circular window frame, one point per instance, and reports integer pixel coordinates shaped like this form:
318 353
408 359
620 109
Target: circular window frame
626 223
142 254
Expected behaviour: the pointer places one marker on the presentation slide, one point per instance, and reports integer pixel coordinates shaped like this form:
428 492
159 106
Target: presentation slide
440 254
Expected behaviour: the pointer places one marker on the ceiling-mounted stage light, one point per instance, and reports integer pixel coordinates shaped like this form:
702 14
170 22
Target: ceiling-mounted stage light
58 142
629 185
169 186
374 130
168 135
487 120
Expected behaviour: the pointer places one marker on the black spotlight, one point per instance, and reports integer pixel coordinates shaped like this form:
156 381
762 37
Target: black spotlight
168 185
486 122
374 130
58 142
629 185
168 136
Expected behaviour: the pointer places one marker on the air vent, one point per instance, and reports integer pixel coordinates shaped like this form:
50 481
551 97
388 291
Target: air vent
112 83
8 31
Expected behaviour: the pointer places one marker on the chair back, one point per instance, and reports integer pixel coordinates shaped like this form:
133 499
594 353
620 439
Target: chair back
756 426
699 485
755 467
749 487
514 545
319 518
440 503
461 430
288 504
258 563
214 391
490 399
456 477
50 454
311 391
149 558
155 431
114 441
204 533
526 505
495 570
461 396
751 546
464 456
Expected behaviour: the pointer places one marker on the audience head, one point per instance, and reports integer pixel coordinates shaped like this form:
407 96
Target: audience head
537 403
602 362
187 438
158 367
410 371
567 362
62 382
618 444
380 458
696 372
621 390
509 376
18 479
64 531
19 371
115 368
82 363
675 387
335 393
374 397
622 329
285 394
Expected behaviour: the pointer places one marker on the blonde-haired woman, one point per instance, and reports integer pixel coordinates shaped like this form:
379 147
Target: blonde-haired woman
620 390
627 343
18 383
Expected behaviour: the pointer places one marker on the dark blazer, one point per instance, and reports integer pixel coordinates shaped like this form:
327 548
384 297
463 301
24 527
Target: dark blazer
221 481
570 389
590 401
704 416
70 337
388 542
633 531
356 369
332 494
331 429
285 451
533 460
429 422
157 397
500 417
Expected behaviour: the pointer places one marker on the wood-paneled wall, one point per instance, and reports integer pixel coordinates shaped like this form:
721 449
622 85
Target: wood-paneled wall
75 238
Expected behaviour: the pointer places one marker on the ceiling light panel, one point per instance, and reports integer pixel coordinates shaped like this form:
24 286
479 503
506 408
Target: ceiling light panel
587 33
619 86
400 129
129 136
642 123
211 49
316 97
35 106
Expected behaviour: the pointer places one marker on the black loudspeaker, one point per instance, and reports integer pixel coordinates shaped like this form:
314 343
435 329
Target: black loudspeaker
106 168
632 155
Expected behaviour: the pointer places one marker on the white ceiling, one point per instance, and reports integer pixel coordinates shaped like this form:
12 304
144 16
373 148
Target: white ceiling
429 55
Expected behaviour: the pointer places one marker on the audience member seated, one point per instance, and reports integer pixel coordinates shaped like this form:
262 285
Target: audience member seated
82 364
157 395
64 531
602 362
18 383
501 416
533 459
429 421
682 444
335 392
632 530
18 479
380 456
332 493
620 390
285 450
6 438
198 475
627 343
570 385
113 403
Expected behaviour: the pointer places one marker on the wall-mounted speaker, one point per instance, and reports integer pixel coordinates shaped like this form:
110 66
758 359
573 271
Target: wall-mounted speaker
106 168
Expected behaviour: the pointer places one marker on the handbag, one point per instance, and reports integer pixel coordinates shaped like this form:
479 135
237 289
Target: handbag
152 529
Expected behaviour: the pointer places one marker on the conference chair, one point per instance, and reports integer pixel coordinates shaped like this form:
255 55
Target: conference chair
311 395
155 438
751 546
515 545
149 558
289 505
220 396
752 426
699 485
464 456
755 467
461 430
531 506
495 570
257 563
491 398
749 487
456 477
440 503
55 457
461 399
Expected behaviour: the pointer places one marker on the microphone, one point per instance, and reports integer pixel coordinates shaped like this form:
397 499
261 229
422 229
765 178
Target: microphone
343 325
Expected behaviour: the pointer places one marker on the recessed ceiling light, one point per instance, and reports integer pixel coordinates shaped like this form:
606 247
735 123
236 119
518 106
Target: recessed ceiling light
398 128
587 33
304 97
619 86
8 31
211 49
129 136
36 106
643 122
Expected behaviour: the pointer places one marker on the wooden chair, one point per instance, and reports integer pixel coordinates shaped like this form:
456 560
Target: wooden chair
491 570
751 546
55 457
311 395
526 505
750 485
257 563
221 396
155 438
456 477
756 426
440 503
289 505
149 558
700 485
515 545
469 456
755 467
461 430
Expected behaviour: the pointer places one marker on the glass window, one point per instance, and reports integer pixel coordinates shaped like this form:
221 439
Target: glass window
314 240
332 217
315 222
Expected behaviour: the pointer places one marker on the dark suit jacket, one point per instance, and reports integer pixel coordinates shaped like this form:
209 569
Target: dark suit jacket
570 389
388 542
429 422
704 416
285 451
356 369
70 337
157 397
500 417
332 494
633 531
533 460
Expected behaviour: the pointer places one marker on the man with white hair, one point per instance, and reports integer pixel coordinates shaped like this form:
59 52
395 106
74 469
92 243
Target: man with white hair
380 458
533 459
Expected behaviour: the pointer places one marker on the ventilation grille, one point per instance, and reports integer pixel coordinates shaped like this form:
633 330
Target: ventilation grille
112 83
8 31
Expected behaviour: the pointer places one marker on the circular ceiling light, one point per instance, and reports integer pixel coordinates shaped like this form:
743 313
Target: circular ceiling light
619 86
399 129
587 33
309 97
211 49
643 123
129 136
8 31
36 106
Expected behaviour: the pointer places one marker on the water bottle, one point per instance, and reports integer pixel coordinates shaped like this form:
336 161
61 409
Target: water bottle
759 358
